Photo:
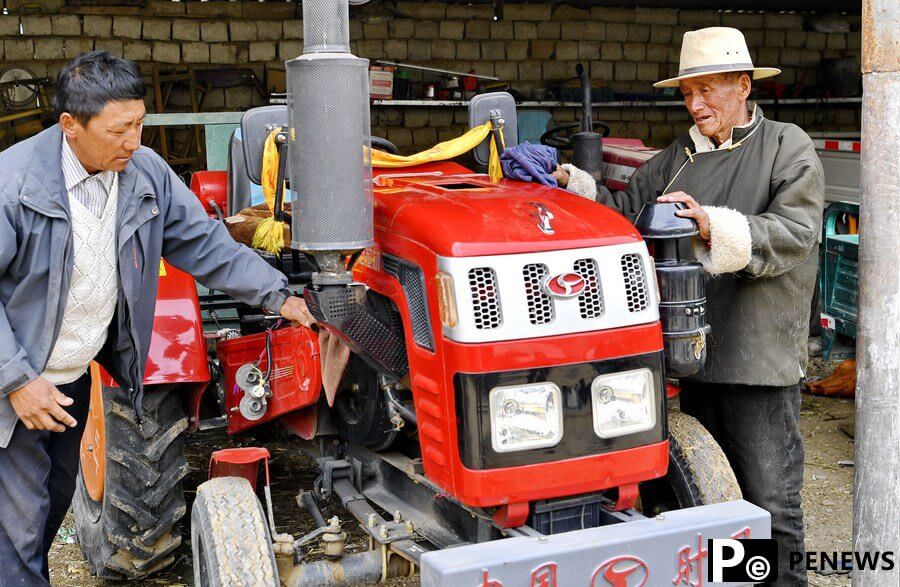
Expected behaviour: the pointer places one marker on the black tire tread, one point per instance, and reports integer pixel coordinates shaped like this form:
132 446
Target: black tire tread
137 530
694 449
228 520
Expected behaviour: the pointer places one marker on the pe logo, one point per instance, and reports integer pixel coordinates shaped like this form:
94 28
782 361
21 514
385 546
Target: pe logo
753 560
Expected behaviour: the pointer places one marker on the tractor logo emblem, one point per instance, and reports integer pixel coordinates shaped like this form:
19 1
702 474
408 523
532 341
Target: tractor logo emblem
544 217
621 571
544 576
563 286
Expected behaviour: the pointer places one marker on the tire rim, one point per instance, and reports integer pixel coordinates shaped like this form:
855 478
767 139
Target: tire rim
93 441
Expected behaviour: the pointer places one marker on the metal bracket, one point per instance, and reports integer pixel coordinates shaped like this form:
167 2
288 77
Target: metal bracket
331 469
334 469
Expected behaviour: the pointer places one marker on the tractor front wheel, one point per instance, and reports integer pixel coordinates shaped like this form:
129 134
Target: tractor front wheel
229 537
128 498
699 472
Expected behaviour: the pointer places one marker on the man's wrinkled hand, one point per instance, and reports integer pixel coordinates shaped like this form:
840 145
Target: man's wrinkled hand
561 176
40 406
693 211
295 310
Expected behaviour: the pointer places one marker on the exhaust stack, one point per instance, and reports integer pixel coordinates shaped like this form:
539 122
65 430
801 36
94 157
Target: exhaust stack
328 146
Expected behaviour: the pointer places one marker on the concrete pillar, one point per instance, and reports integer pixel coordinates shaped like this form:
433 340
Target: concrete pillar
876 512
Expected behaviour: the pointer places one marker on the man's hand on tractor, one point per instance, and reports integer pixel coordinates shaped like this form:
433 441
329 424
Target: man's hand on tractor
693 211
295 310
561 176
40 406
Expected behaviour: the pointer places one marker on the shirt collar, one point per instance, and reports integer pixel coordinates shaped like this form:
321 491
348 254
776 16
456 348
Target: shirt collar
702 144
74 172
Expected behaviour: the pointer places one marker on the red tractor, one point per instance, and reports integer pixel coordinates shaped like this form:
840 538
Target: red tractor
503 418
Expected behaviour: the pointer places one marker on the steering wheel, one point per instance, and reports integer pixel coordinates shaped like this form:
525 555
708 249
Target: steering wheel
561 136
385 145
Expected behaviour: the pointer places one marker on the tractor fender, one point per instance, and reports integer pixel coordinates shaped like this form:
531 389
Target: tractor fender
177 346
211 188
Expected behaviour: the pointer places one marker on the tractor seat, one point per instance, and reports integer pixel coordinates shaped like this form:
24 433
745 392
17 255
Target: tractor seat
245 152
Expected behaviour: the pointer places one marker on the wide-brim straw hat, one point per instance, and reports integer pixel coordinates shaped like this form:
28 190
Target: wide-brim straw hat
712 50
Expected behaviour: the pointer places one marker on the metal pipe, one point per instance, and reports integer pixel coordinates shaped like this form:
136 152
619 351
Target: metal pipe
353 569
489 78
309 502
586 121
876 504
408 413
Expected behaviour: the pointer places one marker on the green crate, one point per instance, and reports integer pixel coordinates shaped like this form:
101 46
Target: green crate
838 270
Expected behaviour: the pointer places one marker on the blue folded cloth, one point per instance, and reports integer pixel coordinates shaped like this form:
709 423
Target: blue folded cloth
527 162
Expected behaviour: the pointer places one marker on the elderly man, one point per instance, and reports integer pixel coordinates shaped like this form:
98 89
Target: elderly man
85 215
755 189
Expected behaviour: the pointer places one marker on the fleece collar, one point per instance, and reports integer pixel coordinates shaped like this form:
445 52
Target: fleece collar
704 144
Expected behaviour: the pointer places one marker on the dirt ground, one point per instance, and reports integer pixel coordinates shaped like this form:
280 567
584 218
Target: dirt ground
826 424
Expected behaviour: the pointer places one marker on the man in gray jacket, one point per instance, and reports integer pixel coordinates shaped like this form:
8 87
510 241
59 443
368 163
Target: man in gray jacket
86 213
755 189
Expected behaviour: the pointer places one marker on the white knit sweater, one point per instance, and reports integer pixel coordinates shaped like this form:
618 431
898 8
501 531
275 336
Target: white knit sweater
93 291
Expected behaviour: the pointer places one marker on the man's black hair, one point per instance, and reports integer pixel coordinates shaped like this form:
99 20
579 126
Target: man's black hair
91 80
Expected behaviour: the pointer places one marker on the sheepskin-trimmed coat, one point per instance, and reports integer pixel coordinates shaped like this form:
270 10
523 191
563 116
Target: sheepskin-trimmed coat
764 196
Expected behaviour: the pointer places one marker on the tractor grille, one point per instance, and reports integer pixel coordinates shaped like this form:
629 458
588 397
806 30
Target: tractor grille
540 306
413 282
506 297
485 298
590 303
635 283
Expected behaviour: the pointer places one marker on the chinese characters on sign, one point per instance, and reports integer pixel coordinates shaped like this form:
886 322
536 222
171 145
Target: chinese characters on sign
627 570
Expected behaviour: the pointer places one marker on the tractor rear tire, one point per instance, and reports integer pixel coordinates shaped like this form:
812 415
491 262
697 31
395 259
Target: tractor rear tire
132 530
230 539
699 472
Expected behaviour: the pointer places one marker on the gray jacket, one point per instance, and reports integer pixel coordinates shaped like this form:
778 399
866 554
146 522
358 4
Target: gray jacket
158 216
764 200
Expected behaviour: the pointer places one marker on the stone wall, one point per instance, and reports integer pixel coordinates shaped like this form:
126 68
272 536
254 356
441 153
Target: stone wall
533 43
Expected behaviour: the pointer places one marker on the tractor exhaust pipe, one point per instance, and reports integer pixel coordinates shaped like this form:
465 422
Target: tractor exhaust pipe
330 168
587 145
328 145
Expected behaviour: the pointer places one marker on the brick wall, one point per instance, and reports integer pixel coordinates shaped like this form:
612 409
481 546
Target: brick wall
628 47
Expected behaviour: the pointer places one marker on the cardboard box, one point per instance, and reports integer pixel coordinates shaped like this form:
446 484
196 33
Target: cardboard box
381 82
621 157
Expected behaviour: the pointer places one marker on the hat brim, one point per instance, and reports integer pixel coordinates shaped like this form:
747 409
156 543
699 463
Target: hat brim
758 73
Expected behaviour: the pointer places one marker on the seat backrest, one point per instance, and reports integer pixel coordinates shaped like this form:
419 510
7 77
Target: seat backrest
239 184
256 124
245 152
480 108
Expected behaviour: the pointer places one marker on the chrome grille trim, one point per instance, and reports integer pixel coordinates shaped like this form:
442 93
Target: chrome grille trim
516 301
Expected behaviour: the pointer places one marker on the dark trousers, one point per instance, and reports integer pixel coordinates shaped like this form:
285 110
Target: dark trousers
37 481
758 429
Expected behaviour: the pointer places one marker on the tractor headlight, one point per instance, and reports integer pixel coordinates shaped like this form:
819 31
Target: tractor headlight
624 403
526 416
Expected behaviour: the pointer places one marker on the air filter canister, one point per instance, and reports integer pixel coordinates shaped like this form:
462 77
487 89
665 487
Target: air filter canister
329 162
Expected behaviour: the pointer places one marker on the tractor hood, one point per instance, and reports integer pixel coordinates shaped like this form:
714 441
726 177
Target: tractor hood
459 214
